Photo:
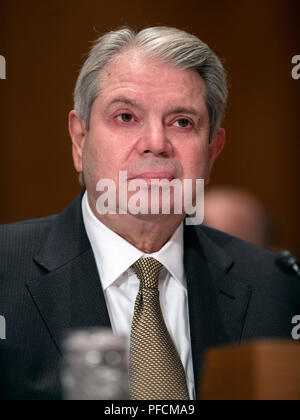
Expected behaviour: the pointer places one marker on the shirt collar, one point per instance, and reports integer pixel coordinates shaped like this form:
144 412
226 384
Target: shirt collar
107 245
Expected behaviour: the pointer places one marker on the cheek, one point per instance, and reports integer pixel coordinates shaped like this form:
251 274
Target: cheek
92 161
101 157
196 163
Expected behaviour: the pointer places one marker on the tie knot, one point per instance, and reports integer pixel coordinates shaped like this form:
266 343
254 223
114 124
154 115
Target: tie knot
148 270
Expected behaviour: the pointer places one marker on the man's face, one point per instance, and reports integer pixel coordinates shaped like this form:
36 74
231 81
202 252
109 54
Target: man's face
150 120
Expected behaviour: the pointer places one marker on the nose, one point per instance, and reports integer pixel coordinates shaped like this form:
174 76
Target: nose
154 140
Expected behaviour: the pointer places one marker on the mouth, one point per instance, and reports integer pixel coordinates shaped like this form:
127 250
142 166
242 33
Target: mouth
157 175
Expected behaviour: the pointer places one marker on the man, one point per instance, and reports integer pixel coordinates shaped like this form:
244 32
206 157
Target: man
150 104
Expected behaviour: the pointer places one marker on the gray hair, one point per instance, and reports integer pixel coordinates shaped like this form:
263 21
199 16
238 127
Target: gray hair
171 45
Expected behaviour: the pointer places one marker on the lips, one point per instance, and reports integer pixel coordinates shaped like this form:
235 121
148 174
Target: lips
154 175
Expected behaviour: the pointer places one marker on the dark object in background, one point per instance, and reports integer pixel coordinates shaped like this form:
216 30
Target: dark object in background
288 262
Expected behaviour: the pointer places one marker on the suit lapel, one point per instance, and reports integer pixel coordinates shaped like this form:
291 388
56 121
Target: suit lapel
69 293
217 303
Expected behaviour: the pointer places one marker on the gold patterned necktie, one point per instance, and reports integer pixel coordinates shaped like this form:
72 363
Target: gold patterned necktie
155 368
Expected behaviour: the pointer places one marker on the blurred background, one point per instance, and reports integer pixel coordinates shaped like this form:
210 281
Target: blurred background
45 43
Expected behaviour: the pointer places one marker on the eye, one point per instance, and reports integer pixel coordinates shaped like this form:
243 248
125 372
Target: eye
125 117
183 123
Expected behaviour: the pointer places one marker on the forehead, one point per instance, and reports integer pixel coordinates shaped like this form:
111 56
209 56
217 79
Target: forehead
135 73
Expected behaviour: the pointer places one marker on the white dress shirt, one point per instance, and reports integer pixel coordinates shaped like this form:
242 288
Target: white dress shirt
114 256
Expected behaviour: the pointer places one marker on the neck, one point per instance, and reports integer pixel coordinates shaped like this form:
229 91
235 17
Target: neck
148 233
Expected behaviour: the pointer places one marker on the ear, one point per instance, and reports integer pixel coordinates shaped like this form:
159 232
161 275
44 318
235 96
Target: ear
78 136
215 148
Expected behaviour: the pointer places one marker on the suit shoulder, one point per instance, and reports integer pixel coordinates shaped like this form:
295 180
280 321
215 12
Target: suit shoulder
25 233
27 224
254 267
237 247
251 263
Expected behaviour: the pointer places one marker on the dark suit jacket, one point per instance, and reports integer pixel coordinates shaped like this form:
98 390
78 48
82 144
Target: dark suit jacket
49 283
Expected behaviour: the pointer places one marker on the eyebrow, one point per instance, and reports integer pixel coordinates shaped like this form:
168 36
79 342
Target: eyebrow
124 100
134 103
184 110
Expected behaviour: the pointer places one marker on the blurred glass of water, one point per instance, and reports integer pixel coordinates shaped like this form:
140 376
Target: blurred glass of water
95 366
